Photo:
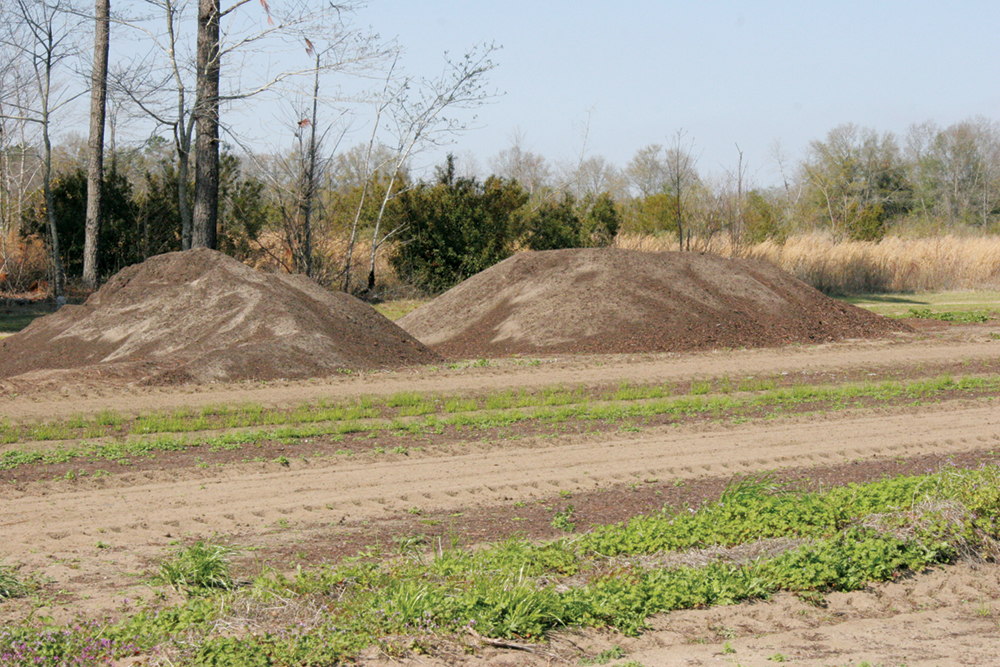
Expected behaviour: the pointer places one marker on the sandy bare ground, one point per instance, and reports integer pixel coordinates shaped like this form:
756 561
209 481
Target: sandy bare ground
96 541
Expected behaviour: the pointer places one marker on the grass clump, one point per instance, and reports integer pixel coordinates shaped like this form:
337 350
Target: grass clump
198 569
604 657
10 585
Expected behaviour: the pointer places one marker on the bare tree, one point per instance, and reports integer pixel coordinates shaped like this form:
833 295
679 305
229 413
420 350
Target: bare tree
146 80
349 168
591 175
681 176
297 20
708 209
737 206
342 55
527 168
647 171
95 162
296 182
368 167
230 35
955 170
43 34
20 166
309 168
308 188
792 187
856 181
918 150
594 175
416 111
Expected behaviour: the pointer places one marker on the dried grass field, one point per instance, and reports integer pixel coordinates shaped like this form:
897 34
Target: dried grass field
894 264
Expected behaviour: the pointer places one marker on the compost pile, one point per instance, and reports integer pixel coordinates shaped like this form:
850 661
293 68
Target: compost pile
610 300
201 316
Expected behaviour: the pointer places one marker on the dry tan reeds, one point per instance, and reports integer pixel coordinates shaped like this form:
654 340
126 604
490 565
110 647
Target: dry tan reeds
848 267
857 267
22 262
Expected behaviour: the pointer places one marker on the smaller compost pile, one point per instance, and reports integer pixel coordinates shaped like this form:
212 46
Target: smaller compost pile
622 301
201 316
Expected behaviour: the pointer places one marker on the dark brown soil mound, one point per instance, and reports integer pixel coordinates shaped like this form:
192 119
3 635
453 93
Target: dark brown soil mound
611 300
202 316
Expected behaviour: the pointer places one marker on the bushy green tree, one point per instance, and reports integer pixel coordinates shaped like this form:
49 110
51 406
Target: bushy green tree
243 212
159 212
139 226
119 238
340 204
651 214
600 221
455 228
762 219
552 225
590 223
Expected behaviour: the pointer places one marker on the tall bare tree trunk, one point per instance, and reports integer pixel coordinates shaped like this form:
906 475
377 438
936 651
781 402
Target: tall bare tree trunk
45 88
308 195
680 214
58 278
182 134
183 205
206 165
95 146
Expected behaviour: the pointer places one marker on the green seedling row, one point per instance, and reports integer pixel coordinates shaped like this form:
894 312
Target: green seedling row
542 411
414 404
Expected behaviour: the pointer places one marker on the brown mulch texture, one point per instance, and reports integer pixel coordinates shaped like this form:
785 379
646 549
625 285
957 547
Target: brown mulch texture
610 300
200 316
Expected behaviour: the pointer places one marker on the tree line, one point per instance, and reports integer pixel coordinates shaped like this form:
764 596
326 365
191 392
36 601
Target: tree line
316 207
855 184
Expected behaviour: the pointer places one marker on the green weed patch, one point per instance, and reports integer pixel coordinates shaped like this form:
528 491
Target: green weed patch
198 569
964 316
846 538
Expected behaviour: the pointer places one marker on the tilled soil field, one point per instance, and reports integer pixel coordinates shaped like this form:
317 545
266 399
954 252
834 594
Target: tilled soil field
90 528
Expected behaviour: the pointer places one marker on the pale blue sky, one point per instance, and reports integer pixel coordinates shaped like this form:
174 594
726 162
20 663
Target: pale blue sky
726 72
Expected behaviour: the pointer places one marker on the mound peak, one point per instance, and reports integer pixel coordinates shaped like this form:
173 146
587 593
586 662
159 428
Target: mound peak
202 316
611 300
